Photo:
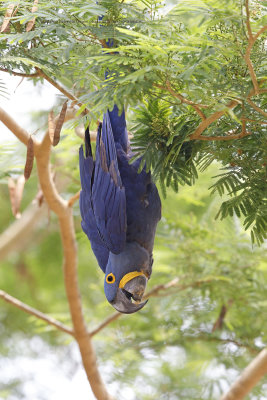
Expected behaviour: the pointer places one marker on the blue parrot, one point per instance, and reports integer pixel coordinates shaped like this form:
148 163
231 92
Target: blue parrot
120 209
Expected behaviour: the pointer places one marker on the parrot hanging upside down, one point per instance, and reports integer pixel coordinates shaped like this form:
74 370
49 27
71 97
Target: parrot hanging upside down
120 209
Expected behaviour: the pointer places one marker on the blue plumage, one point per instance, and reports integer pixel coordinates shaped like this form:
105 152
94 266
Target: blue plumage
120 210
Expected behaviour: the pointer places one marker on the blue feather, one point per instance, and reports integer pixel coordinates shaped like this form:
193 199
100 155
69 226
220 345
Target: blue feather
120 209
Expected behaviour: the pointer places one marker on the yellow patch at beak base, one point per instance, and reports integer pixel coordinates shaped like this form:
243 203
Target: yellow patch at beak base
126 278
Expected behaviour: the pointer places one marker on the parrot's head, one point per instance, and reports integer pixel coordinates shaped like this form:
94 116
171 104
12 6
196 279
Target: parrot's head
126 278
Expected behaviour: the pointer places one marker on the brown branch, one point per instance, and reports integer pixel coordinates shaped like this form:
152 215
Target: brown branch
230 137
61 89
249 378
31 23
42 154
182 98
101 41
218 324
252 91
253 105
218 114
242 134
10 12
212 118
207 121
36 313
106 322
186 101
70 262
251 40
33 75
81 334
250 36
155 290
73 199
262 30
255 121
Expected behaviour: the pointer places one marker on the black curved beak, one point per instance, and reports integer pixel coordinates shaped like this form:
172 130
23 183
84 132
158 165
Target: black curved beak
132 291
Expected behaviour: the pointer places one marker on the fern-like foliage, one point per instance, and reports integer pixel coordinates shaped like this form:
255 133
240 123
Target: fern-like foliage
244 180
160 135
3 89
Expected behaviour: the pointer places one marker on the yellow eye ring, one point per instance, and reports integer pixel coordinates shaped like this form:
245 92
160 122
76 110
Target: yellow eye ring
110 278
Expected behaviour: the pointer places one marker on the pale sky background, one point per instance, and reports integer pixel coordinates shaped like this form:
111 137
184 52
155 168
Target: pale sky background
22 98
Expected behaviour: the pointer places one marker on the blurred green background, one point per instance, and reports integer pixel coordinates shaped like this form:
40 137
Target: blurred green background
169 350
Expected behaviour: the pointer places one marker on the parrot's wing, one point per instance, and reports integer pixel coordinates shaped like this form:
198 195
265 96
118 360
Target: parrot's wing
108 194
89 225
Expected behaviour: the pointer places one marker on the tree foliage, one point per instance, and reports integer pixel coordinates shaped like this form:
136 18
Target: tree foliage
193 73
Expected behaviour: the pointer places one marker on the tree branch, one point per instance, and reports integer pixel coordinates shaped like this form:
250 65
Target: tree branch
42 74
248 379
251 40
70 265
61 89
207 121
70 262
253 105
36 313
229 137
33 75
250 36
182 98
74 198
212 118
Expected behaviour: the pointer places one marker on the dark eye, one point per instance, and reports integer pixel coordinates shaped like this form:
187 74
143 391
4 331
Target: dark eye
110 278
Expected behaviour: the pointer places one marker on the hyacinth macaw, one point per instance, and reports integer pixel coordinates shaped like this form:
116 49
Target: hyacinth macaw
120 209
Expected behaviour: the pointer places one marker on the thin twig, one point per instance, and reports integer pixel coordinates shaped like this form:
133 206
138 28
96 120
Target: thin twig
251 40
74 198
155 290
230 137
106 322
250 36
33 75
212 118
61 89
36 313
253 105
182 98
186 101
255 121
